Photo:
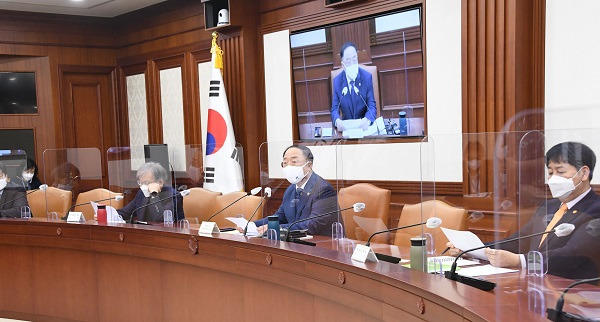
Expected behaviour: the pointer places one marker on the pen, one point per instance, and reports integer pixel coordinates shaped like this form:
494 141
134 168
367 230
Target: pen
445 250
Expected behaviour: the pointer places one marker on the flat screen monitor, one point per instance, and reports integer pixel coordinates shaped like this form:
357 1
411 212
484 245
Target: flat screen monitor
18 93
360 78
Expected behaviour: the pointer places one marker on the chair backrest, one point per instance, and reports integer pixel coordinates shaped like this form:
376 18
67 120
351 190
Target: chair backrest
452 217
199 204
93 195
373 71
377 205
245 207
58 200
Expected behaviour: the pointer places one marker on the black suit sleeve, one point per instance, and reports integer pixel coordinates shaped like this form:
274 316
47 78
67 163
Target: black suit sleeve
12 209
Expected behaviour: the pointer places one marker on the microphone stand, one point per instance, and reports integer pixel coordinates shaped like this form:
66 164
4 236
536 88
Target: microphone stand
255 211
557 314
229 205
83 204
300 241
480 283
149 204
389 258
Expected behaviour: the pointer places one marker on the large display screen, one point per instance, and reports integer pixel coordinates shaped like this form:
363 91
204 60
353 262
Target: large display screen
360 78
17 93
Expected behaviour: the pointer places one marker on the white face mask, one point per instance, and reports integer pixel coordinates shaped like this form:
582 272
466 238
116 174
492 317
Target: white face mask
294 174
27 176
562 187
352 71
145 190
2 184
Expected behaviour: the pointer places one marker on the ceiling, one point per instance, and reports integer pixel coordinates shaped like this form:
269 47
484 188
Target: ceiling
97 8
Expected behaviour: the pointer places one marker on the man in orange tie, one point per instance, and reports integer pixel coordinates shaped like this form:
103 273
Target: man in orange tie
570 170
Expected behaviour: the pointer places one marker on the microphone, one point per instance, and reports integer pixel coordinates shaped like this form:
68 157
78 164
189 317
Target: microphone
252 192
432 222
357 207
116 198
183 194
560 231
344 92
42 187
267 195
557 314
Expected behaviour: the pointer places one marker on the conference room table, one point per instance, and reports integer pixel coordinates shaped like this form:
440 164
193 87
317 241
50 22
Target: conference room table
53 270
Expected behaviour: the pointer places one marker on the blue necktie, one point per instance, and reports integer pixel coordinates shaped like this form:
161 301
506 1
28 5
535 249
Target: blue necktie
351 87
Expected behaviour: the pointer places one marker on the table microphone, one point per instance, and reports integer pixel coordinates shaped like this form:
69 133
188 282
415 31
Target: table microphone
267 195
432 222
357 207
116 198
560 231
557 314
251 193
183 194
42 187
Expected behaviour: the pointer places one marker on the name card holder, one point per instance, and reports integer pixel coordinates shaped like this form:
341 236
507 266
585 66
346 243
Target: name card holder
363 254
76 216
208 228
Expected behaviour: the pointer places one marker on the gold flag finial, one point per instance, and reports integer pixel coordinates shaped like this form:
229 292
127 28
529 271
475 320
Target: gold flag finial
217 53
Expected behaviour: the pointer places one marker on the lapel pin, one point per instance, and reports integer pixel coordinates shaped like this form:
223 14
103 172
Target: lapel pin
574 211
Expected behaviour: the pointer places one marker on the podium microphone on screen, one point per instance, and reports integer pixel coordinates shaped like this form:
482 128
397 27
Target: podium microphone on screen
183 193
267 195
251 193
432 222
42 187
560 231
357 207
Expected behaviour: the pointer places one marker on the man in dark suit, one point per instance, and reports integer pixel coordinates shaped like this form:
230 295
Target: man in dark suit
570 167
12 197
353 96
308 195
151 177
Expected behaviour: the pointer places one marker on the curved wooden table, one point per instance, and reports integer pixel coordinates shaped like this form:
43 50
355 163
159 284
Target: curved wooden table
59 271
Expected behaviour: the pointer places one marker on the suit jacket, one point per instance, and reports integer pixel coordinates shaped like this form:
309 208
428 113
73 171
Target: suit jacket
575 256
35 183
317 197
12 209
352 106
154 213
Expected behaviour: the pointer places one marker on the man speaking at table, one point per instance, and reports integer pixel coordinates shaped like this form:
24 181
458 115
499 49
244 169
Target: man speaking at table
570 170
353 96
308 195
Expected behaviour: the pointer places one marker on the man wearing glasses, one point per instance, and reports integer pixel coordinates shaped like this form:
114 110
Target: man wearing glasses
308 195
149 202
12 196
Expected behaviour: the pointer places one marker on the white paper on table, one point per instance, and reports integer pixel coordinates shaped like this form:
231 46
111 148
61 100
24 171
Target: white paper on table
485 270
593 296
354 131
370 225
450 259
242 222
111 213
464 240
326 132
588 312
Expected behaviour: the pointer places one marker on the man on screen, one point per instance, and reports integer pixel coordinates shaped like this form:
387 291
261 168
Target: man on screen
353 96
308 195
570 170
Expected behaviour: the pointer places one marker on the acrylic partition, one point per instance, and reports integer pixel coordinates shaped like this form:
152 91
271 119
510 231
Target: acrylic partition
15 162
123 166
223 170
70 173
316 197
573 255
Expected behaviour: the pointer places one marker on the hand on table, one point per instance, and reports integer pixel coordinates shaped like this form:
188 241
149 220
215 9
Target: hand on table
339 125
364 123
502 258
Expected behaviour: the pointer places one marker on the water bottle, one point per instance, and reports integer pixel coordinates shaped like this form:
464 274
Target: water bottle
403 123
418 251
273 223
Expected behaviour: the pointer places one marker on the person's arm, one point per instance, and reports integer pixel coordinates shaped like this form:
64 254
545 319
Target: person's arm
127 211
335 104
371 104
325 201
13 209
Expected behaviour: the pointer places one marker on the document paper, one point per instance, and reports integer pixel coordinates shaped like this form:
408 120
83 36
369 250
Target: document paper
464 240
241 222
352 128
111 213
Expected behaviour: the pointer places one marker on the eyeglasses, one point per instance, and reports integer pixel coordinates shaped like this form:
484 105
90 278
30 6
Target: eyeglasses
293 163
2 176
143 183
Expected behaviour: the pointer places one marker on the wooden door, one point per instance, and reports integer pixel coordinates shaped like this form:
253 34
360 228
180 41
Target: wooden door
88 116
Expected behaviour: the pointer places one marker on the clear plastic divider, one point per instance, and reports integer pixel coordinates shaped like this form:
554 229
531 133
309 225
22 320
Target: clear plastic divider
70 173
146 185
